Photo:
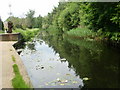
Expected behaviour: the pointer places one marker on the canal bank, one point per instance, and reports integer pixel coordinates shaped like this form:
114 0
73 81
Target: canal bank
6 62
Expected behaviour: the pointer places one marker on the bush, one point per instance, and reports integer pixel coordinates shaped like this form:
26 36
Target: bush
28 34
81 32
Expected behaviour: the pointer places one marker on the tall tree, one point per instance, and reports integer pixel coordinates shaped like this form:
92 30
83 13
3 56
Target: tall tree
30 18
38 22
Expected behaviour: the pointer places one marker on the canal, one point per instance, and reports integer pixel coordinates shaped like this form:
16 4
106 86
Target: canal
61 62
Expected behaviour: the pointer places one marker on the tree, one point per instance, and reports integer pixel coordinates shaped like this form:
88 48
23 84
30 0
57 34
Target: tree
69 17
38 22
101 16
30 18
16 21
1 25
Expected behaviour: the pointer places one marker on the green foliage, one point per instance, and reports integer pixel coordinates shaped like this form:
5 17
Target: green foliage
1 31
30 18
38 22
13 58
98 15
1 25
18 22
116 18
28 34
81 32
45 23
68 18
101 17
29 21
114 36
52 30
18 81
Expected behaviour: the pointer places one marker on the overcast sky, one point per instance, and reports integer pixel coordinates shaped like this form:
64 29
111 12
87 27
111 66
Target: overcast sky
20 7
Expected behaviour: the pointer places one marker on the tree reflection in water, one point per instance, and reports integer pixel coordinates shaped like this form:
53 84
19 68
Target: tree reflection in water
94 60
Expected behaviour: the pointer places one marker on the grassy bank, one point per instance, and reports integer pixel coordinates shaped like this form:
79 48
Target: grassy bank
1 31
99 35
18 81
82 33
27 34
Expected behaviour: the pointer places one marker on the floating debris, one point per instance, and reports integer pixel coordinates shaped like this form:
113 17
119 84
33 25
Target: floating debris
67 74
63 59
46 83
50 66
65 81
51 59
58 80
39 67
42 67
38 60
62 84
74 82
85 79
58 59
62 81
36 68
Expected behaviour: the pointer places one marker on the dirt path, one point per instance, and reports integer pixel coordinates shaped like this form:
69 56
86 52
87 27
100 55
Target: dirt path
6 69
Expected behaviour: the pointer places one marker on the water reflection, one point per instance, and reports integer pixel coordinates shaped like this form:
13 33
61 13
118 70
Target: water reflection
47 70
95 60
31 46
64 62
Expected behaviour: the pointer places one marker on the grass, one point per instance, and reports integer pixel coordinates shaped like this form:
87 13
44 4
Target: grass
13 58
18 81
99 35
27 34
81 32
1 31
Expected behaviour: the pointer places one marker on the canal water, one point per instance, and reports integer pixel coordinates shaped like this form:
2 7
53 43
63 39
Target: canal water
62 62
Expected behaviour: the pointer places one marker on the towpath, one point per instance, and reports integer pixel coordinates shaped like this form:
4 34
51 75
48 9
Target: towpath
6 63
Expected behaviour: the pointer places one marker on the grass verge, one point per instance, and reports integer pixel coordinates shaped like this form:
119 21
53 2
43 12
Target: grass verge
13 58
17 81
1 31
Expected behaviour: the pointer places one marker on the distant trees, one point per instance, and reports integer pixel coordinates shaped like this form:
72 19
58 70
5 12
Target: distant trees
68 15
16 21
28 22
1 25
37 22
30 18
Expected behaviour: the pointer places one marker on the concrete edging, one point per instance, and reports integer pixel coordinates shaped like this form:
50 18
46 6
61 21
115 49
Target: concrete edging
6 63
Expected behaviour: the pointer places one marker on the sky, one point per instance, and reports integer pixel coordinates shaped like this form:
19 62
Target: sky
20 7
